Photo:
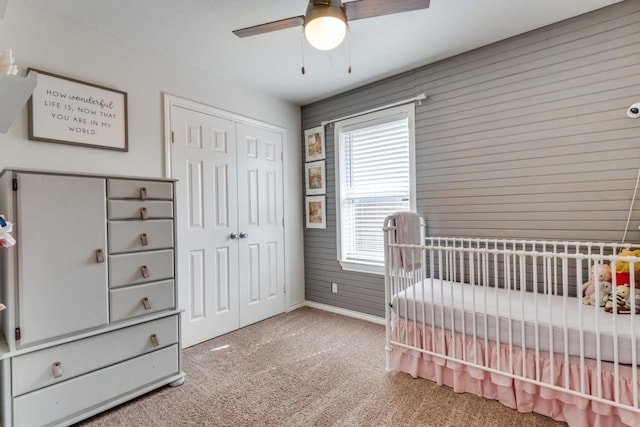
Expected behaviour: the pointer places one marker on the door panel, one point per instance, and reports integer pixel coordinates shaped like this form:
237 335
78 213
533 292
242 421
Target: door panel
196 286
195 184
223 285
63 247
260 216
204 162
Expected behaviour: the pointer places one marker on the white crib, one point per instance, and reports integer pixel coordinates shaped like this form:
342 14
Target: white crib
504 319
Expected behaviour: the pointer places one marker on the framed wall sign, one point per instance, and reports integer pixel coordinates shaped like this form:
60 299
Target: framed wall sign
315 178
314 144
316 211
70 111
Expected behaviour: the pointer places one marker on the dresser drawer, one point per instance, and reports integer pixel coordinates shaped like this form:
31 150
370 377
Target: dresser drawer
141 299
140 267
57 402
139 209
129 236
132 189
35 370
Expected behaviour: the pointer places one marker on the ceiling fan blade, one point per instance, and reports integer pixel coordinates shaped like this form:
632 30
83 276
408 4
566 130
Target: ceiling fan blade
369 8
270 26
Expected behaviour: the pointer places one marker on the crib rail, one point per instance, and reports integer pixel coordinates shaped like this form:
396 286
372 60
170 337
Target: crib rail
515 308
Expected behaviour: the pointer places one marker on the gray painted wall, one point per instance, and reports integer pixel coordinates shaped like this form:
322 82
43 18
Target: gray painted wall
525 138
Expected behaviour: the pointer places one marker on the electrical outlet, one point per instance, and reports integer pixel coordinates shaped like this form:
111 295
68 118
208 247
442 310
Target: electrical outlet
334 288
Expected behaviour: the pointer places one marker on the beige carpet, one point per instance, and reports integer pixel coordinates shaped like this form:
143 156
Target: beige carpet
305 368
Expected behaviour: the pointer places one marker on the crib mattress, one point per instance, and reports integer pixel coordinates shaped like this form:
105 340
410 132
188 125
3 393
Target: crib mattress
498 313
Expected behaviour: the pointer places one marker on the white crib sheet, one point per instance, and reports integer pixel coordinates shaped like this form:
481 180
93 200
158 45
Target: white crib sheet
417 303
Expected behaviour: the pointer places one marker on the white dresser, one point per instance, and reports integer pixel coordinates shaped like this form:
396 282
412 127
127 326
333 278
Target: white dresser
92 318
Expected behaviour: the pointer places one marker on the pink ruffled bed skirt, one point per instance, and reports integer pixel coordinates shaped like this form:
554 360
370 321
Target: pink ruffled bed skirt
516 394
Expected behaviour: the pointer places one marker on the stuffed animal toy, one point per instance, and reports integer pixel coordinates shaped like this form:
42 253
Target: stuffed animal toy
618 300
601 298
623 274
603 273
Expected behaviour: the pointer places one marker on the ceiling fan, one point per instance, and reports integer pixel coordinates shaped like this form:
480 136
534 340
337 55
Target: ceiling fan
325 21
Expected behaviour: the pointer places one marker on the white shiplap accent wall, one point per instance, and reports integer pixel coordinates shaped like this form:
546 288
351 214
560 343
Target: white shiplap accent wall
525 138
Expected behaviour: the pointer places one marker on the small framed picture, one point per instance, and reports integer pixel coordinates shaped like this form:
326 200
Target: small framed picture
316 212
315 177
314 144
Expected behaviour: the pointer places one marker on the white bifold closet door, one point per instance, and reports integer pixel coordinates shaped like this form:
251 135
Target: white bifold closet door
230 223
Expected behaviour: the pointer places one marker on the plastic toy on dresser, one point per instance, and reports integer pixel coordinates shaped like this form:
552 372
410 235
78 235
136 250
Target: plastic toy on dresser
6 239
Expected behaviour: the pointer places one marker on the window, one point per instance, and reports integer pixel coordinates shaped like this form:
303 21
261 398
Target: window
375 176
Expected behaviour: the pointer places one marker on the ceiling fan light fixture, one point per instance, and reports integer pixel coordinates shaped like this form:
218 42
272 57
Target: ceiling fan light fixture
325 24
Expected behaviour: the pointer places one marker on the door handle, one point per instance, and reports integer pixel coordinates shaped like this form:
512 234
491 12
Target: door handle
233 236
243 235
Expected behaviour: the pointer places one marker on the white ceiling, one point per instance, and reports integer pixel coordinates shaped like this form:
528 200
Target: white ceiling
198 33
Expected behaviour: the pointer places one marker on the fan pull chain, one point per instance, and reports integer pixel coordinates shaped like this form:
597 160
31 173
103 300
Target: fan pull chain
349 47
302 50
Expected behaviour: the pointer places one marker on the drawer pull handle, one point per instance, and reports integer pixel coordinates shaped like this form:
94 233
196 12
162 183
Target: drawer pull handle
99 256
154 340
145 271
57 370
143 193
143 213
146 303
144 240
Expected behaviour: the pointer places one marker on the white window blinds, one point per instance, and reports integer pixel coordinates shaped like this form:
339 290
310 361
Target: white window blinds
375 181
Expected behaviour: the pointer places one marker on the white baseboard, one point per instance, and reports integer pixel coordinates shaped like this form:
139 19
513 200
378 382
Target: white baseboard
296 306
345 312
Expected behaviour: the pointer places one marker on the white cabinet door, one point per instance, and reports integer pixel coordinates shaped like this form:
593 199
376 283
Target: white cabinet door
260 222
62 286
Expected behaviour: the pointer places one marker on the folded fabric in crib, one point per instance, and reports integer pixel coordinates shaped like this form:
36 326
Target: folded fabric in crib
408 233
